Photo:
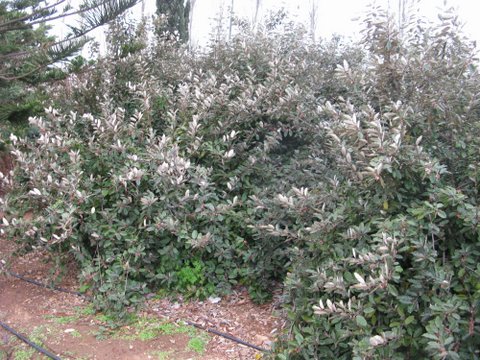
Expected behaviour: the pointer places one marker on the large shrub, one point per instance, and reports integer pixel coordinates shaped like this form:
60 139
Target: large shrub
387 246
149 170
350 173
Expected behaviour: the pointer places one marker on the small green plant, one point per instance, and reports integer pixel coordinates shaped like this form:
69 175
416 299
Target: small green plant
166 328
86 310
148 334
39 334
169 328
63 319
161 355
105 318
111 320
192 281
191 275
76 334
145 329
197 344
23 354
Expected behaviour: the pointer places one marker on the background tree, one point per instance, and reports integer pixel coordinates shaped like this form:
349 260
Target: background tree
257 9
27 51
313 18
190 19
177 13
230 22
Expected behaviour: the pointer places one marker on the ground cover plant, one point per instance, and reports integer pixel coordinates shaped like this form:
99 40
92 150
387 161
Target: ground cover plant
349 172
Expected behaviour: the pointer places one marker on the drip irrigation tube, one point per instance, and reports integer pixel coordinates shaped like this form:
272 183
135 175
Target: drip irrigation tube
32 344
213 331
226 336
37 283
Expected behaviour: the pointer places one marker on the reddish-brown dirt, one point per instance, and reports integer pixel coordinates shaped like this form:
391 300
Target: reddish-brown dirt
57 319
6 164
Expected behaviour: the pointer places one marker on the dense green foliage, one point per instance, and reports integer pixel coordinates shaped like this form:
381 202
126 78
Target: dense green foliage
152 184
349 172
386 264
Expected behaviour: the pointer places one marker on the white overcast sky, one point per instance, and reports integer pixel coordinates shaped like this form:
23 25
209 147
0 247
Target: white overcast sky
333 16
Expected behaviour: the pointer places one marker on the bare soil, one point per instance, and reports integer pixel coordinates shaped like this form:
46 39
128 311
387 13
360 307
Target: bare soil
6 164
64 326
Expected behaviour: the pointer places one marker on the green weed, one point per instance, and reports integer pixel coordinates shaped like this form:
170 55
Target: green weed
162 355
87 310
76 334
197 344
62 320
148 334
23 354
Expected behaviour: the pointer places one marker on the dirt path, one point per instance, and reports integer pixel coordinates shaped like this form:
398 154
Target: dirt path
68 326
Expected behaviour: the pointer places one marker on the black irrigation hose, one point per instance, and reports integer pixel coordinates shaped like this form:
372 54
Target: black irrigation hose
46 286
213 331
32 344
226 336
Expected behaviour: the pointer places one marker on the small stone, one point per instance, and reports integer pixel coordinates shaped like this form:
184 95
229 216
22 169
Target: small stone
261 339
69 330
214 300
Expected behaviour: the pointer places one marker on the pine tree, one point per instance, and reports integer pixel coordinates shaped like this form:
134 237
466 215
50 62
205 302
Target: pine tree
177 13
27 50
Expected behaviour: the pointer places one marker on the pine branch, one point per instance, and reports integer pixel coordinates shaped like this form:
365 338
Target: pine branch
115 6
94 13
29 16
104 12
50 54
